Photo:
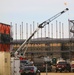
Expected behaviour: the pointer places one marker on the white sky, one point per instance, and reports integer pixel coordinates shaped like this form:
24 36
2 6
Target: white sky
28 11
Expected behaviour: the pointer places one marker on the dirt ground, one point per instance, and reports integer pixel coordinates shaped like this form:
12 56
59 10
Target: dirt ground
57 74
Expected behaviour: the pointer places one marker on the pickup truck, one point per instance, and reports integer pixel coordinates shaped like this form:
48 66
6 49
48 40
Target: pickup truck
72 66
63 66
27 67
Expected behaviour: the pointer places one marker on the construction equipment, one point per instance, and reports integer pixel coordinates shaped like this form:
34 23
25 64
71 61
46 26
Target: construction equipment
39 27
17 56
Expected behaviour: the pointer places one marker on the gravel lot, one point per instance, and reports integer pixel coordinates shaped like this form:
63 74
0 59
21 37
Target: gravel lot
57 74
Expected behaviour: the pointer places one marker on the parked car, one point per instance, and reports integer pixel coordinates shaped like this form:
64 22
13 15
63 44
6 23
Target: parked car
29 70
63 66
72 66
42 66
27 67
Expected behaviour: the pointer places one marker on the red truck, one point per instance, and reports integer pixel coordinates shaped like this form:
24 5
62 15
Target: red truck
72 66
63 66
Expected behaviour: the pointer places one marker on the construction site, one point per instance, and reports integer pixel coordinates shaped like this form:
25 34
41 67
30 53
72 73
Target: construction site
53 44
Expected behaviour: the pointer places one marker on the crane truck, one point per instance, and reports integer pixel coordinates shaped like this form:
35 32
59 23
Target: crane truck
21 65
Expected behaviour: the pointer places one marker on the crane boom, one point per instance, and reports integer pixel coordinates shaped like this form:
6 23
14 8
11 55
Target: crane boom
40 26
52 18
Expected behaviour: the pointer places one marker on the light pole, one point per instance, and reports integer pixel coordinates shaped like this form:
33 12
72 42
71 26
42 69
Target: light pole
46 59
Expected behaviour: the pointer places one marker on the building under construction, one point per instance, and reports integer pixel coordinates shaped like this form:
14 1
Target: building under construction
52 47
32 46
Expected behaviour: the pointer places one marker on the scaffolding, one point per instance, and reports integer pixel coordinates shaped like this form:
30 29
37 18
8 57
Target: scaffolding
71 36
71 27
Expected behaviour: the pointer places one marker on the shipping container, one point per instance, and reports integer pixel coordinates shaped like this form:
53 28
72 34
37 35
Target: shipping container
7 47
1 48
4 33
2 38
2 28
5 63
8 29
5 38
4 47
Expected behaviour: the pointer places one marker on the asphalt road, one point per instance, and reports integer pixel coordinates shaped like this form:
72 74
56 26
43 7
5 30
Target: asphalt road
57 74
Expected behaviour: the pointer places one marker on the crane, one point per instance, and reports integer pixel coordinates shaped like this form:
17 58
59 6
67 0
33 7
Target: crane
41 25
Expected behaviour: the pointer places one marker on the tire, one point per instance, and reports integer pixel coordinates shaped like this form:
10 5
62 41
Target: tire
73 70
56 70
60 70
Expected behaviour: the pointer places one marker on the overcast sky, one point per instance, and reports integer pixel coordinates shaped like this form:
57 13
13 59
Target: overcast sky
28 11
